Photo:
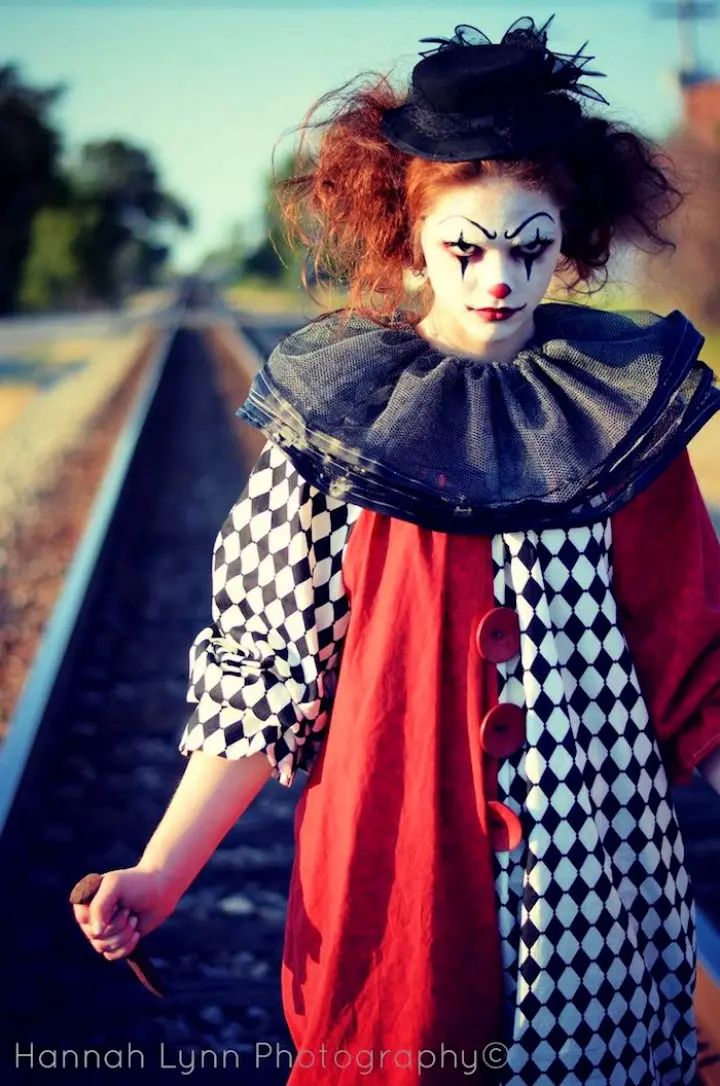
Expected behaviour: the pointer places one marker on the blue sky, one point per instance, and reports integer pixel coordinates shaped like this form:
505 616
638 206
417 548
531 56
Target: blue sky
209 88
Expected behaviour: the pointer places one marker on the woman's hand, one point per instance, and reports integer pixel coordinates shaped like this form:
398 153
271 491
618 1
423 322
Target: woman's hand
212 793
130 903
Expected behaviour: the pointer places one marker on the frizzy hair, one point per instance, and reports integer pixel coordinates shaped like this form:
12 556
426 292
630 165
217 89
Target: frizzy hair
354 201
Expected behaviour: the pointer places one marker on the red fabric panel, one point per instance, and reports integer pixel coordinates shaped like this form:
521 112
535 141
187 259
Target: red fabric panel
666 558
392 937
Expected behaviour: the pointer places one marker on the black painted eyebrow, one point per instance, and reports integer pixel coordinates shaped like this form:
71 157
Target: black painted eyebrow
493 234
537 215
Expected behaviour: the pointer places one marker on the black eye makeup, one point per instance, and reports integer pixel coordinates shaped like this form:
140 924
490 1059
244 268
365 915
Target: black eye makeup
533 247
529 252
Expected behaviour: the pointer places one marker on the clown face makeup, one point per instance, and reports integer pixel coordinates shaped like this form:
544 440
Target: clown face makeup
491 247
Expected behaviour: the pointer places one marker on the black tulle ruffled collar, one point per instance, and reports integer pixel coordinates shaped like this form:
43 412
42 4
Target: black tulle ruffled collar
587 414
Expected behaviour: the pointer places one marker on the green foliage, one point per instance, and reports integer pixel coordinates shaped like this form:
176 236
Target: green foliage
29 175
52 274
94 229
118 247
272 259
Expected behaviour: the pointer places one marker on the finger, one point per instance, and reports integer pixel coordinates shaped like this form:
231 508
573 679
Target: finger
109 932
112 942
103 945
117 924
82 913
123 951
103 905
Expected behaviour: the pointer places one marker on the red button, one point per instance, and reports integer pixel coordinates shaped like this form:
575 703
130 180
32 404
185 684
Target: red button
503 730
498 635
504 826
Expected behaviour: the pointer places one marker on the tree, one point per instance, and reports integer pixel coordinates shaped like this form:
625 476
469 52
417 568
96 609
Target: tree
124 209
52 274
273 257
29 175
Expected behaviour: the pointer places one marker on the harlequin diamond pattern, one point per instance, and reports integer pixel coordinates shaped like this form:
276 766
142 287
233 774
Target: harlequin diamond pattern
262 674
595 909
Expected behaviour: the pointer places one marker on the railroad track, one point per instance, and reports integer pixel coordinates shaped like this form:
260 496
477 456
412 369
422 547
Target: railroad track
92 761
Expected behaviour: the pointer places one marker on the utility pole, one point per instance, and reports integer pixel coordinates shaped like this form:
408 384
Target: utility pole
688 13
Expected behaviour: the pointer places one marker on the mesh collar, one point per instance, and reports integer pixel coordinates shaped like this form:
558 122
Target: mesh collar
587 414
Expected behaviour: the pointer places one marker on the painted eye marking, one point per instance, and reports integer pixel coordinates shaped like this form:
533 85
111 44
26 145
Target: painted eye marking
529 252
537 215
465 247
534 243
531 248
460 243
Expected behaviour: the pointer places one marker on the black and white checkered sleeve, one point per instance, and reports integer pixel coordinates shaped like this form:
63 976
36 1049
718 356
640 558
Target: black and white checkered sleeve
263 673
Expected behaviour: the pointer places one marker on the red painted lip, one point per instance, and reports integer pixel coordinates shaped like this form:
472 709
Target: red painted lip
495 313
495 308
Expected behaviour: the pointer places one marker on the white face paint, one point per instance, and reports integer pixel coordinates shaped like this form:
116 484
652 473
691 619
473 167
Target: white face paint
491 242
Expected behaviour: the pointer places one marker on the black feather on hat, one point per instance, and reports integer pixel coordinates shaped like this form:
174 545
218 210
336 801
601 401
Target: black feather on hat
471 98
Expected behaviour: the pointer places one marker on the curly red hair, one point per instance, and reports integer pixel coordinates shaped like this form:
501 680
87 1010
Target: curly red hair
354 201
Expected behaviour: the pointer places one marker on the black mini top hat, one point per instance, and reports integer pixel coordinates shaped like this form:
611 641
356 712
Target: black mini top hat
472 98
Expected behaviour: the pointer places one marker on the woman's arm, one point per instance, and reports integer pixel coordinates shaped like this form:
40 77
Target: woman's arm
212 794
131 902
262 679
263 671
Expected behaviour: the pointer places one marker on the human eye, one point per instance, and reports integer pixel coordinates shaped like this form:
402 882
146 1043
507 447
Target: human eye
466 247
532 248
